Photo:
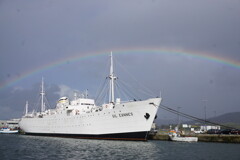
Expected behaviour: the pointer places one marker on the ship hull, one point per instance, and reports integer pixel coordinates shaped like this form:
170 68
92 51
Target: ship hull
126 121
133 136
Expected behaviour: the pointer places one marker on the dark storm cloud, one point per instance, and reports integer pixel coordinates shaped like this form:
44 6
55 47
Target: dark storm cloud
36 33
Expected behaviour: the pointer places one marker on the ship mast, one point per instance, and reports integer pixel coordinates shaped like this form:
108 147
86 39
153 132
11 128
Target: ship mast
112 78
26 109
42 93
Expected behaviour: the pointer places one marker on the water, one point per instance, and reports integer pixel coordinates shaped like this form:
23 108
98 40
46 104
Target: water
33 147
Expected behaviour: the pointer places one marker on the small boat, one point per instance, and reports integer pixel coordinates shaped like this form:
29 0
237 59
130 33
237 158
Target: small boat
8 130
174 136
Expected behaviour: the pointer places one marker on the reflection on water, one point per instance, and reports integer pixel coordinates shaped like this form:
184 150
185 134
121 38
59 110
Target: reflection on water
33 147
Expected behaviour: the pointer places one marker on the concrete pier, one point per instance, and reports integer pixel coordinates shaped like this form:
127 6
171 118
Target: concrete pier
222 138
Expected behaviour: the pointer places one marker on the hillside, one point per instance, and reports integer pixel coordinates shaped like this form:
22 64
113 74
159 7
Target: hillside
227 118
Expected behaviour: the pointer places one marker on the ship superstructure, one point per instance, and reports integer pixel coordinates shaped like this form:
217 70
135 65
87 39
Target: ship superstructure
82 118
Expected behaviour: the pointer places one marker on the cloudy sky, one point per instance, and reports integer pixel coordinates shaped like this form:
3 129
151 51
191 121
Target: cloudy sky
41 38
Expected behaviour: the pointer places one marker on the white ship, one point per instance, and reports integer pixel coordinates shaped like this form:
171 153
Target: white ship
82 118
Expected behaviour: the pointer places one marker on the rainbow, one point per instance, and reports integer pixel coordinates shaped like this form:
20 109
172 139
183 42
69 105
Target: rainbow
77 57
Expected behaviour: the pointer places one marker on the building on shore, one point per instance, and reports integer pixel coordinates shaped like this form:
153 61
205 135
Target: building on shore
205 128
13 123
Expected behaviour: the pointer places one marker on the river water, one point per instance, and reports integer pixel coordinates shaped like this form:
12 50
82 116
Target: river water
33 147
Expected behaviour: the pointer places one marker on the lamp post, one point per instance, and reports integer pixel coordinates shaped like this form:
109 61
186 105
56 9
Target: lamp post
178 108
205 113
